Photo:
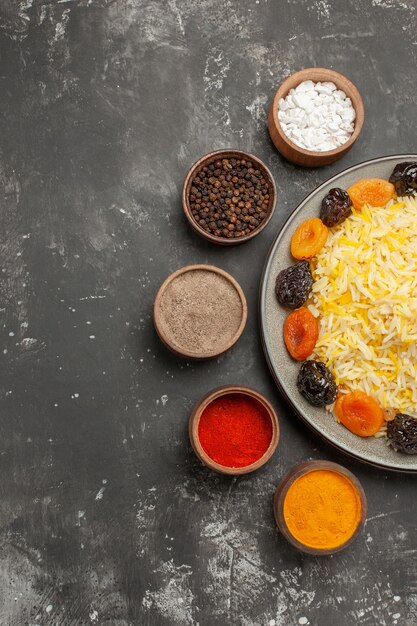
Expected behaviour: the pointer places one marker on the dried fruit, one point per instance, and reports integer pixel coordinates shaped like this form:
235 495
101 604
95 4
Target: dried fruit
309 238
294 284
360 413
404 178
316 383
301 330
402 433
335 207
372 191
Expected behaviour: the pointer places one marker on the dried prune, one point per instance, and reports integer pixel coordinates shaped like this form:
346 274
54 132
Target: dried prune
316 383
336 206
294 284
404 178
402 433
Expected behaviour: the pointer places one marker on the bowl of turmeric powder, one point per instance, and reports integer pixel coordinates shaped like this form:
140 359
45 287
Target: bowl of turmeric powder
320 507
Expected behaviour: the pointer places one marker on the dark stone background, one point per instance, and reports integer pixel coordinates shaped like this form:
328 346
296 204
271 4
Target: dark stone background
106 517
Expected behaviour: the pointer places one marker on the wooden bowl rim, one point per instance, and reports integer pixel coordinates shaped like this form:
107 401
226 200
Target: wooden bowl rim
327 75
156 312
282 489
194 421
227 153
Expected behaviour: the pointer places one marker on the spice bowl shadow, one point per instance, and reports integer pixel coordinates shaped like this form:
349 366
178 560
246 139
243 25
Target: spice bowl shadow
223 392
210 158
290 478
290 150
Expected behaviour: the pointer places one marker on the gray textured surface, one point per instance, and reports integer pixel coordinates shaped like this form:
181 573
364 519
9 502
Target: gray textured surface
106 517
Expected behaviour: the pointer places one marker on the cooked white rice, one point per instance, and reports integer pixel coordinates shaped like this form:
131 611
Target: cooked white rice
365 295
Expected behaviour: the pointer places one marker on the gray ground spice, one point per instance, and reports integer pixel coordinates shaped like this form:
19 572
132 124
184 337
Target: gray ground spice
200 312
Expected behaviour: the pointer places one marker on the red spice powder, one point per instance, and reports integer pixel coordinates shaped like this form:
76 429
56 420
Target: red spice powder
235 430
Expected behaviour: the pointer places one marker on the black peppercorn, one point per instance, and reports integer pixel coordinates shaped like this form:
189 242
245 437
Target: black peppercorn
229 197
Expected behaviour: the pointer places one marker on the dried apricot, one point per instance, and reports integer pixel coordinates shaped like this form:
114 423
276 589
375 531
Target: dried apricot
372 191
301 330
309 238
360 413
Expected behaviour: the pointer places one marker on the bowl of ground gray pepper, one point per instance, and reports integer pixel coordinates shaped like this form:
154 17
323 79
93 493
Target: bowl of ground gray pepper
228 196
200 312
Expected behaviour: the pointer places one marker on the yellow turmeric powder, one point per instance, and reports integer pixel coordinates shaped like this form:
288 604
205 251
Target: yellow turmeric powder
322 509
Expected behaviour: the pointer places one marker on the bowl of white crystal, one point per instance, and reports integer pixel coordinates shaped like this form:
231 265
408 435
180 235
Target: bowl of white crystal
315 117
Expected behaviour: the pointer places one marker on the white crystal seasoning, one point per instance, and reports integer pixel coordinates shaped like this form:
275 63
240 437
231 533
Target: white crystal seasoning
317 116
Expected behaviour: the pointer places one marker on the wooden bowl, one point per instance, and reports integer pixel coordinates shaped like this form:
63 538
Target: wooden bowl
290 478
206 160
312 158
195 419
167 340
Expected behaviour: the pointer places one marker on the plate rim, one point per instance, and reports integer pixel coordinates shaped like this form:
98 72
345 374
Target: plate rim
261 314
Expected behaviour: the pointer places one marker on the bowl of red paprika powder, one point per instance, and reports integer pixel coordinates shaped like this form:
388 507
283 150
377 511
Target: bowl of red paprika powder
234 430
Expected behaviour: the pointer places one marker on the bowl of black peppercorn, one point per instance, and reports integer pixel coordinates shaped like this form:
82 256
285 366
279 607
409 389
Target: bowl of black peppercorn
228 196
